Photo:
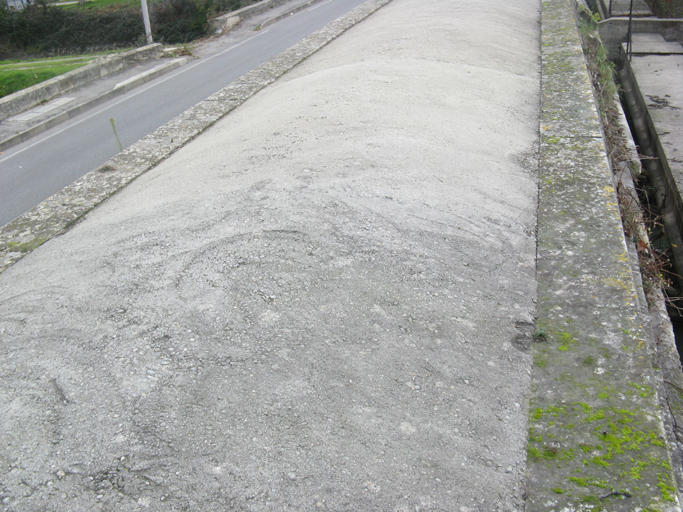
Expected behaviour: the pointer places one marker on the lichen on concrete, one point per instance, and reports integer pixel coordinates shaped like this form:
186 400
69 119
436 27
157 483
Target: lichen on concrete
596 438
57 213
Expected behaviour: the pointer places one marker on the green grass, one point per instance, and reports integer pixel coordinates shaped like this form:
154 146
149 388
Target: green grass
79 60
18 75
105 5
12 81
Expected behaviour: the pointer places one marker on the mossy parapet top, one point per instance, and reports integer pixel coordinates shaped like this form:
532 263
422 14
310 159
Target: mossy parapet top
596 437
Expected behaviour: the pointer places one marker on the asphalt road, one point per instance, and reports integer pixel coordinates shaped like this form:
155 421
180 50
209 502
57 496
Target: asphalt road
33 171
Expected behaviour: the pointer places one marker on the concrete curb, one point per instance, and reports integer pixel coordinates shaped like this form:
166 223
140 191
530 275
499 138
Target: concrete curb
45 91
596 434
83 107
56 214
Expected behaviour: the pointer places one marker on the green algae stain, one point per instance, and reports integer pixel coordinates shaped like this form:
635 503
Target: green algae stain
581 482
599 415
540 362
642 391
665 488
588 482
616 433
26 246
594 501
566 341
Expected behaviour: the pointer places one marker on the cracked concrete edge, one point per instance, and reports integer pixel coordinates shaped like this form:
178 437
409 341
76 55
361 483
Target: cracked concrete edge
49 89
59 212
597 437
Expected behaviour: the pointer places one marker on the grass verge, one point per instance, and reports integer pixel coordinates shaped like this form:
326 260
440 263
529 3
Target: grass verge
18 75
105 5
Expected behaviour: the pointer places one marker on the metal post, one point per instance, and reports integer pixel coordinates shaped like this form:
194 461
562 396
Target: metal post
145 19
629 39
609 10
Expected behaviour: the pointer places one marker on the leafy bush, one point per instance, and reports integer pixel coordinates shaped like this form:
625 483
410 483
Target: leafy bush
667 8
50 30
42 29
179 21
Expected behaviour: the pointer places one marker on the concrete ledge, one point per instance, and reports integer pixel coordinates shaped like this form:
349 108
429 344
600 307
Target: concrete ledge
45 91
596 434
56 214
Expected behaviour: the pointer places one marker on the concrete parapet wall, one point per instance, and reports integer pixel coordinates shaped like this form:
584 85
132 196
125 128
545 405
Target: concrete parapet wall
597 436
45 91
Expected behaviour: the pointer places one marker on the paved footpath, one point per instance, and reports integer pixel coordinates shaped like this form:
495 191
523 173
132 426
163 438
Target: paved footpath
324 302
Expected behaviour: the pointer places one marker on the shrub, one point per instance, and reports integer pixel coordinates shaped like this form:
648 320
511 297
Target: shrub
667 8
50 30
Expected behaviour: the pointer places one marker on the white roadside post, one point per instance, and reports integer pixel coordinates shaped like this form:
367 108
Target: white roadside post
145 19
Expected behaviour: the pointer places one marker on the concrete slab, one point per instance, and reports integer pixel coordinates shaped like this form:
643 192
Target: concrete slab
324 302
653 44
659 79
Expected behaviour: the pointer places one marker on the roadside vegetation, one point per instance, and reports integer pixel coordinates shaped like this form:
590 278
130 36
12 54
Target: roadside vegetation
18 75
43 29
666 8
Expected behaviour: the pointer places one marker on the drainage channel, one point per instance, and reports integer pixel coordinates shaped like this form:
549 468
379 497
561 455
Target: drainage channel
649 92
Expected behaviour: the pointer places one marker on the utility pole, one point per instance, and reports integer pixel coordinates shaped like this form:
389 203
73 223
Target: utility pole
145 20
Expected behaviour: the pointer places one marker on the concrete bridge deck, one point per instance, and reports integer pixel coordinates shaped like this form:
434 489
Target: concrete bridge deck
328 300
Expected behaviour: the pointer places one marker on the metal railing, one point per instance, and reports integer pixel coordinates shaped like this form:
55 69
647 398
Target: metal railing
629 34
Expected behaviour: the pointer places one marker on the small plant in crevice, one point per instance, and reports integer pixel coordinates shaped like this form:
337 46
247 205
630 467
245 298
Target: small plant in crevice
113 127
541 334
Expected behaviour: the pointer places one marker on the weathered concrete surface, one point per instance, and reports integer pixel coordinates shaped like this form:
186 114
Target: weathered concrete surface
659 80
323 303
597 437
